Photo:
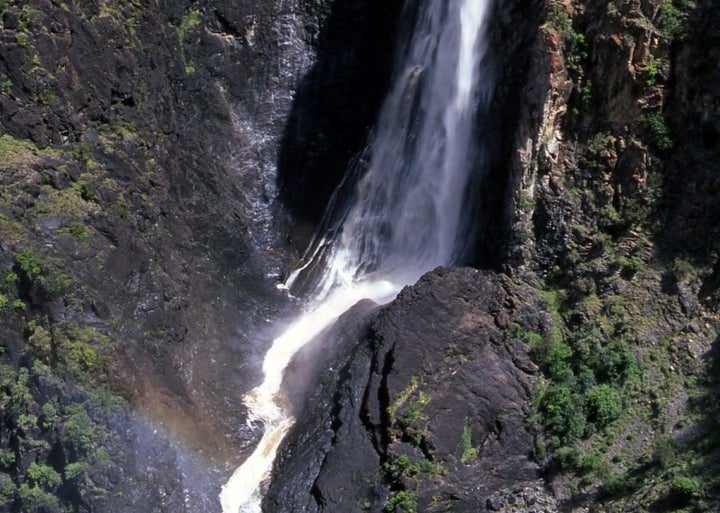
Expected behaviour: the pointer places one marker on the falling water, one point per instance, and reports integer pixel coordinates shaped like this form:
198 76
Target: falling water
405 216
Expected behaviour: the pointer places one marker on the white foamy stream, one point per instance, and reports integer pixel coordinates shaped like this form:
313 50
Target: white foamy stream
404 218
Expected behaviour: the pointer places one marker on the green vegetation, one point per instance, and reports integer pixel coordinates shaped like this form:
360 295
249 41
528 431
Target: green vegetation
604 405
469 452
8 489
575 44
56 351
588 373
672 17
36 500
400 470
78 230
685 488
656 132
43 476
408 406
401 502
404 472
5 84
402 467
79 426
190 21
620 384
8 289
651 73
14 152
29 18
576 50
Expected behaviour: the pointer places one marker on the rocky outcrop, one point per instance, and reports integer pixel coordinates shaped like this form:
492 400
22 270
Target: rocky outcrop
427 411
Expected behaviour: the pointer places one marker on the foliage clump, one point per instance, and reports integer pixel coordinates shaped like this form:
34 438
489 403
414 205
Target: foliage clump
656 131
685 488
587 374
401 502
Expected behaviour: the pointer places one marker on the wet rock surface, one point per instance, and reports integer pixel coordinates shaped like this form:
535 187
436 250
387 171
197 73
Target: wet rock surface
430 406
141 237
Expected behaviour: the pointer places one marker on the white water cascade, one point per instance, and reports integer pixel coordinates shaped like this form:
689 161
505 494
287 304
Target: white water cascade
406 213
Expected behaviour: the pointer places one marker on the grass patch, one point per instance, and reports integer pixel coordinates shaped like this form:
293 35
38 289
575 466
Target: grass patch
469 451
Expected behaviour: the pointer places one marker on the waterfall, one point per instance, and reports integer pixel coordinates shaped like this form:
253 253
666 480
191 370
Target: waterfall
405 217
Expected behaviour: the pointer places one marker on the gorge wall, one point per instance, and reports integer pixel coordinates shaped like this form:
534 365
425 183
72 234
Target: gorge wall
140 232
608 228
163 165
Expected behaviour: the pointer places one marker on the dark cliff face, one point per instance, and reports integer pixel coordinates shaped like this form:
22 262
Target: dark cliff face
424 405
337 102
510 41
690 227
138 244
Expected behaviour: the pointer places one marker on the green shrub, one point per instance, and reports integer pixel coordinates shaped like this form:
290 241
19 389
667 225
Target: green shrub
36 500
40 340
604 405
78 428
7 457
656 132
402 467
77 470
469 452
664 451
685 487
190 21
27 422
398 467
8 489
651 73
30 265
86 190
671 20
401 502
568 457
615 485
29 17
564 413
555 359
575 44
33 270
49 414
43 476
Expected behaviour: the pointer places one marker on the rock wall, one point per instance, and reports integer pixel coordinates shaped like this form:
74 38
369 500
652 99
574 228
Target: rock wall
607 176
425 411
140 233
